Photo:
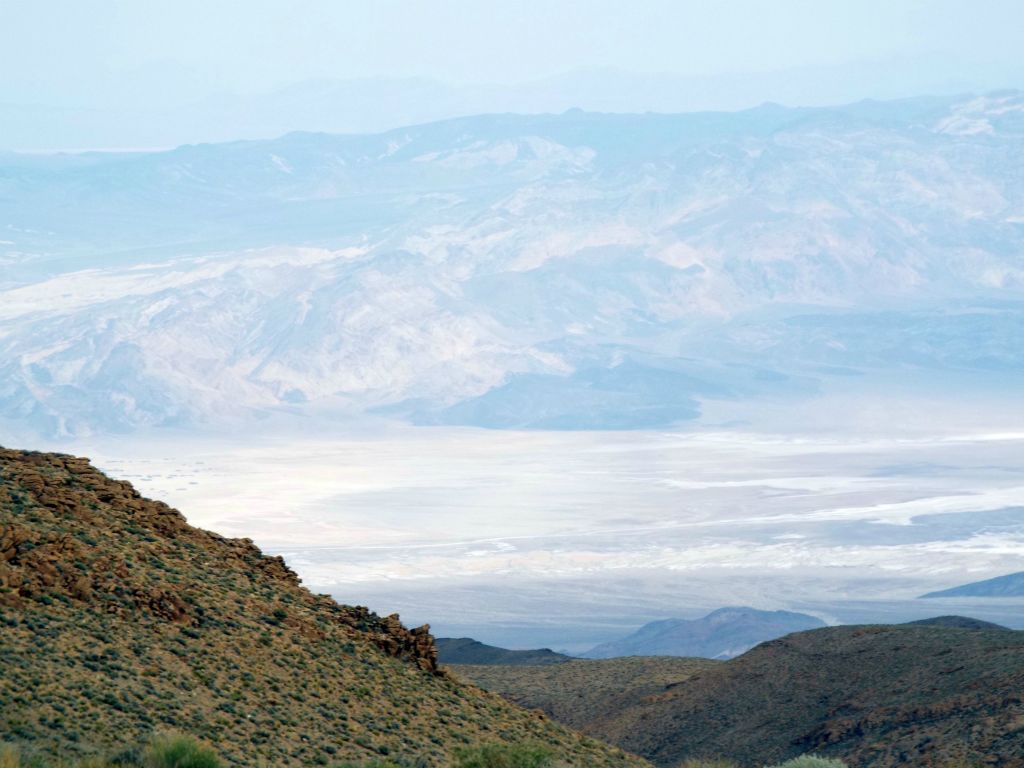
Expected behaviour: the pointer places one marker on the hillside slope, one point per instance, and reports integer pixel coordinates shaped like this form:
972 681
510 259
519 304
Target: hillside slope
722 634
962 622
872 695
465 650
583 692
118 619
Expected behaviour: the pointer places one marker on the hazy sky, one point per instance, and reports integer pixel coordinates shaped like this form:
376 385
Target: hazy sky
94 51
133 74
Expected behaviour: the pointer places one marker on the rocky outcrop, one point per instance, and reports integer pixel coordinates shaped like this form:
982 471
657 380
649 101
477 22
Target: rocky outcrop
72 559
118 618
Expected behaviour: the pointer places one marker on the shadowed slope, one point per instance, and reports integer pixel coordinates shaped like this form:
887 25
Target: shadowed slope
872 695
583 692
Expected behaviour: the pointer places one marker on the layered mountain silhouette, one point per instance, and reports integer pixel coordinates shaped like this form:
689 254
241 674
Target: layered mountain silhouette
1011 585
118 619
555 271
722 634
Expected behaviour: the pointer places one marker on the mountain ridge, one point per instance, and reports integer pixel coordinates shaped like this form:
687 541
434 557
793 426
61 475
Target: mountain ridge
1010 585
721 634
605 267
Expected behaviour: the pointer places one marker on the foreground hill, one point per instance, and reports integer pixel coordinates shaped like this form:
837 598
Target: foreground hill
875 696
119 619
872 695
585 692
465 650
721 634
1011 585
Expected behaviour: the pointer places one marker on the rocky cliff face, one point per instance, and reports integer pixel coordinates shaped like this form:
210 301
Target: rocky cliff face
118 618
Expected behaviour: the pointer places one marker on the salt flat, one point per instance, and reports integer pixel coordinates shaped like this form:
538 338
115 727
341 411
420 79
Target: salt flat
478 530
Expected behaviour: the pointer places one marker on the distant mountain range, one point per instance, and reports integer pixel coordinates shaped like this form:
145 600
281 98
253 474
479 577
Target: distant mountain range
1011 585
874 696
722 634
167 108
464 650
557 271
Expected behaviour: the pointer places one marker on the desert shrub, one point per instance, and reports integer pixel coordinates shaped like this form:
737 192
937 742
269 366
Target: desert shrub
172 751
504 756
12 757
9 757
811 761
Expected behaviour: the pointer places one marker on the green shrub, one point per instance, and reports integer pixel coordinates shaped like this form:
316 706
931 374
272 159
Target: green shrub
170 751
811 761
504 756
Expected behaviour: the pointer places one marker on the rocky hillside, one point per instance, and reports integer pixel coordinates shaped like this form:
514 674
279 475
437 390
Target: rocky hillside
583 693
119 619
465 650
875 696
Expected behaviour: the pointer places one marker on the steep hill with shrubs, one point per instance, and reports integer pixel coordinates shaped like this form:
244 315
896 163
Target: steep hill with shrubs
582 693
925 695
874 696
118 620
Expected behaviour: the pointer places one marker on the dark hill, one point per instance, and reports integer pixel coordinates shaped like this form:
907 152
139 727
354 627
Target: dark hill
118 619
962 622
464 650
722 634
1011 585
583 692
872 695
